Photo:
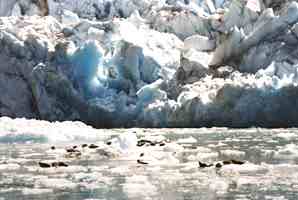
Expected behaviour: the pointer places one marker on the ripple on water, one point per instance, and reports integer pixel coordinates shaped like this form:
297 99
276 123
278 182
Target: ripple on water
270 170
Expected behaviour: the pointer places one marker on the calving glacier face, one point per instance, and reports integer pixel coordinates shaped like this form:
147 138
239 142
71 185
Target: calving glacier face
239 101
150 63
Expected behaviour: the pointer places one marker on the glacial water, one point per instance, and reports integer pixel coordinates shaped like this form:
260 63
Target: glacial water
270 170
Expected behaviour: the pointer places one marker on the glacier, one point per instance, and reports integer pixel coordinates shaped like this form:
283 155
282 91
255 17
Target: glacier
150 63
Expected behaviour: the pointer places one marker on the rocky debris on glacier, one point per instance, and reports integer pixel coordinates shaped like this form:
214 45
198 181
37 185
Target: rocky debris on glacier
150 63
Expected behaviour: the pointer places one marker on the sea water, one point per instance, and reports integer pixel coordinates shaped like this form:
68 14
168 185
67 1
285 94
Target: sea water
270 170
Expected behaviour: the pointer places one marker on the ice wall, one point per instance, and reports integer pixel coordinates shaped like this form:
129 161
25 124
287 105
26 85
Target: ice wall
151 63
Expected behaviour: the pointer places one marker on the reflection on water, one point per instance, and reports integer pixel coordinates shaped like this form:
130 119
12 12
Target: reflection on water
271 170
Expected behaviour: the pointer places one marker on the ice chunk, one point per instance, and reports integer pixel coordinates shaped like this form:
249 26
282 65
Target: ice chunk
151 92
235 154
56 183
22 130
86 60
173 147
9 167
188 140
124 142
161 51
200 43
219 185
139 187
36 191
247 169
195 65
69 18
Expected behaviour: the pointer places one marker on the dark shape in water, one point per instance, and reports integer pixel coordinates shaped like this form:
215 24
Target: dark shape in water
109 143
74 147
62 164
84 145
53 147
203 165
229 162
162 144
71 150
44 165
93 146
143 142
142 154
218 165
237 162
142 162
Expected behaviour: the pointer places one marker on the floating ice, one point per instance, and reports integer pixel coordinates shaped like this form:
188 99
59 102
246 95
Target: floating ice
36 191
124 142
188 140
235 154
22 130
9 167
139 186
56 183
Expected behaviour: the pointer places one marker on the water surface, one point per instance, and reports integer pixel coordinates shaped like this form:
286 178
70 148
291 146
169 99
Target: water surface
270 171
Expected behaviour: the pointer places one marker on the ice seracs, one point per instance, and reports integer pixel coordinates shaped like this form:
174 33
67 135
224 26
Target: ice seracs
150 63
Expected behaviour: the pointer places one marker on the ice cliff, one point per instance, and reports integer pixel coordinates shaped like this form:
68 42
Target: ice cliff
150 63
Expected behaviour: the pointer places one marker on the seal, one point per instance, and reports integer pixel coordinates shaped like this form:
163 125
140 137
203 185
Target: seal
93 146
203 165
59 164
44 165
142 162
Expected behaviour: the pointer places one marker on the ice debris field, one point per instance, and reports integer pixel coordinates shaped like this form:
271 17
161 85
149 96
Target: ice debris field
69 160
